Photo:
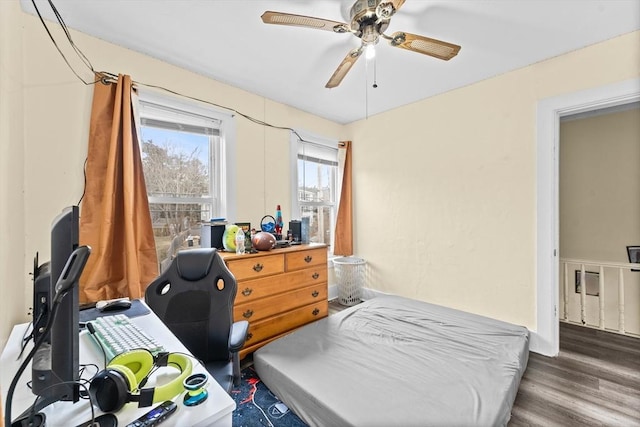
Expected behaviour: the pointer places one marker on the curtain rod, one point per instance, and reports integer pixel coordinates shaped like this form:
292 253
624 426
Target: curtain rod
108 78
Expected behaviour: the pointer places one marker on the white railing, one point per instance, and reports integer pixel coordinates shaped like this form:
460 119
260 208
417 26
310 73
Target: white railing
566 279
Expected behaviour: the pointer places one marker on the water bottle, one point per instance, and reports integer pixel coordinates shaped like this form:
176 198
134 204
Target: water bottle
239 241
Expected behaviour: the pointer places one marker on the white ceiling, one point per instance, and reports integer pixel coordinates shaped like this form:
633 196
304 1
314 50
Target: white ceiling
227 41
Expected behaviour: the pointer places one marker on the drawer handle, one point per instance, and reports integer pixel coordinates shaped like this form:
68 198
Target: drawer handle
249 336
247 314
308 259
315 275
247 292
258 268
315 311
315 294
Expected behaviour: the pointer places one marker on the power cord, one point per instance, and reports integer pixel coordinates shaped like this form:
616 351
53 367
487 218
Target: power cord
85 381
81 384
107 77
58 47
26 337
23 366
70 274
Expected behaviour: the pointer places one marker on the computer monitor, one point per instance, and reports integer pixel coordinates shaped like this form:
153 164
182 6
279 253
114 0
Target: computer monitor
55 367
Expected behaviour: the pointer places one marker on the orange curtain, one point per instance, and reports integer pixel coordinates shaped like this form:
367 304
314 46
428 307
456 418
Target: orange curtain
115 219
343 240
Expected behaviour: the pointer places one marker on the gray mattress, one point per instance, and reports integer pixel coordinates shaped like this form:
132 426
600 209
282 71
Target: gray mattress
394 361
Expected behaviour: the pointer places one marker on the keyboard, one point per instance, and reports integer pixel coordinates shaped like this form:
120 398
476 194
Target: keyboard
116 334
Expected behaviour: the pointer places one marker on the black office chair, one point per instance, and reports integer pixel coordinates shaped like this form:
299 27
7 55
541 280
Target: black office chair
194 298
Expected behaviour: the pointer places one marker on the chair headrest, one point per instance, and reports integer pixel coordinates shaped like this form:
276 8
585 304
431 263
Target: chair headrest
195 264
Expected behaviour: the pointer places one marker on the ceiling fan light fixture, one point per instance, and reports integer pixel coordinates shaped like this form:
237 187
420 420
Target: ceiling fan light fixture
369 35
370 51
369 19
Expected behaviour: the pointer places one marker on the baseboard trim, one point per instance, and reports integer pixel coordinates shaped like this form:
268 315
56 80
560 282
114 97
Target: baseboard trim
367 293
333 292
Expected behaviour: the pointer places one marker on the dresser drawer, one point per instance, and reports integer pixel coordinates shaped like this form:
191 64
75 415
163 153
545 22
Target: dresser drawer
253 267
267 328
250 290
306 259
261 308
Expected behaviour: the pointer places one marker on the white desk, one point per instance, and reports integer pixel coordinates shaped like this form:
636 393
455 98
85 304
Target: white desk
215 411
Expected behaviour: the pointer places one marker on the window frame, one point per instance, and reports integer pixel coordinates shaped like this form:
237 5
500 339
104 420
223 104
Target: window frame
296 205
222 156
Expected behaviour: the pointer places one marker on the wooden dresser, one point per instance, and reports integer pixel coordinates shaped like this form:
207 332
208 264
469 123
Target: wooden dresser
279 290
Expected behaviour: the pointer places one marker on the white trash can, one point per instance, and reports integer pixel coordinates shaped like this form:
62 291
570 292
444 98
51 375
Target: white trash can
350 274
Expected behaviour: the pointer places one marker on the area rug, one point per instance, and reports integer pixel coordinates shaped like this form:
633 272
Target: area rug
256 405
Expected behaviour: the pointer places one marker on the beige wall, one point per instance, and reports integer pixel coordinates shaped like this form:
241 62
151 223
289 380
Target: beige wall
13 274
454 175
50 145
600 208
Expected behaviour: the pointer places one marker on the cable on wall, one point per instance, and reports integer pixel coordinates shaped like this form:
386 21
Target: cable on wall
68 34
264 157
53 40
107 77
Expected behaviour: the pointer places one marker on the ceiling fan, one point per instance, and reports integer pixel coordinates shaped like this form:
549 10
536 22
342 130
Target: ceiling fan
368 21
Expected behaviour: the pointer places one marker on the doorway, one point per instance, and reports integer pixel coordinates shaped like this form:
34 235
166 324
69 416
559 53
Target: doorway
545 340
599 206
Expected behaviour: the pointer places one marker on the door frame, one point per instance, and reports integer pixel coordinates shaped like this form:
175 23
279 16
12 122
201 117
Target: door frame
545 340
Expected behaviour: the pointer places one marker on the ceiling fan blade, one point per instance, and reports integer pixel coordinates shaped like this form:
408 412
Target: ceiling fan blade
424 45
344 67
280 18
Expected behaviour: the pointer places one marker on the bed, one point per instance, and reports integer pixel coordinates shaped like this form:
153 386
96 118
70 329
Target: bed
396 361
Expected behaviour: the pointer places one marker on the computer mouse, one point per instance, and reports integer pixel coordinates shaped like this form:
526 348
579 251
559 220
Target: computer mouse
116 305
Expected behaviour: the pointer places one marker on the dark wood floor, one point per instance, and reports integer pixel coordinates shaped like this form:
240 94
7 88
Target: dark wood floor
594 381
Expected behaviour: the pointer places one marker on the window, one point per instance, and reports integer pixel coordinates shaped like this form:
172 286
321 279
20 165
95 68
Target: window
316 172
185 149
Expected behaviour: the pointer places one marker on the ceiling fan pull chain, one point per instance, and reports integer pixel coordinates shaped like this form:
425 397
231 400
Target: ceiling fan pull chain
366 89
375 72
368 21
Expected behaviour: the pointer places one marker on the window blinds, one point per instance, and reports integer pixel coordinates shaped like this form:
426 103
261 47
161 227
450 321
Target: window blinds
318 153
163 117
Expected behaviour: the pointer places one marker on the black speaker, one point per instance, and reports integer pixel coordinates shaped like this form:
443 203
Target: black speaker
211 236
296 229
300 230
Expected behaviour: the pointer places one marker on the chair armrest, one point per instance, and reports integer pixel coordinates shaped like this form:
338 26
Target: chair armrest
238 335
